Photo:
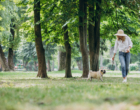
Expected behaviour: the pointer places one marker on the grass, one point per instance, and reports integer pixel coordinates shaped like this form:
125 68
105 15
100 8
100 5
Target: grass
23 91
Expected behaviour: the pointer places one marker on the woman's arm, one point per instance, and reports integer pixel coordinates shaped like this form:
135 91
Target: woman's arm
113 56
130 44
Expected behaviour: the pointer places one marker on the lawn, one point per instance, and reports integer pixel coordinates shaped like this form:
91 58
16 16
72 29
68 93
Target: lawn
24 91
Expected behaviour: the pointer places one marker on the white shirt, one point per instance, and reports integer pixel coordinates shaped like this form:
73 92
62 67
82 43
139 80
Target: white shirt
123 46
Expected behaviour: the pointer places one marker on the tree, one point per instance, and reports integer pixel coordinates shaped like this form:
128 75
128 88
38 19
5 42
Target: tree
83 35
11 53
61 58
7 34
94 34
3 60
38 42
50 49
68 53
27 53
113 15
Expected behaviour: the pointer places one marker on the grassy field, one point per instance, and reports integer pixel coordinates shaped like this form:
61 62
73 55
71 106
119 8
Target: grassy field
24 91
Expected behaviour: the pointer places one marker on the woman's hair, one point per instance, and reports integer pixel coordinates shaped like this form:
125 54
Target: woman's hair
122 38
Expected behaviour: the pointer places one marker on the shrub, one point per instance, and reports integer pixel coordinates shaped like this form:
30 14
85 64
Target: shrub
106 61
133 67
110 66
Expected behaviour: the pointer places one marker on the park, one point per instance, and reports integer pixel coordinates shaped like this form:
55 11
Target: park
48 49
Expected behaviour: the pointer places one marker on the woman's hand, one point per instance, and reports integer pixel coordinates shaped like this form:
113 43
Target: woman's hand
128 50
113 58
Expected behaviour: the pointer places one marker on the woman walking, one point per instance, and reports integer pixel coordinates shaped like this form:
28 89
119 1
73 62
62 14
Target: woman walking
124 44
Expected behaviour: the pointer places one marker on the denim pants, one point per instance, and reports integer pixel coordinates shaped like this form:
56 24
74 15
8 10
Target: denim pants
125 60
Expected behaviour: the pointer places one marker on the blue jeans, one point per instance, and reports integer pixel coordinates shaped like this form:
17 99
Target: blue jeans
125 60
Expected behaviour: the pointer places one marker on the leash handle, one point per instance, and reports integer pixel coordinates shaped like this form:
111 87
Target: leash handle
112 63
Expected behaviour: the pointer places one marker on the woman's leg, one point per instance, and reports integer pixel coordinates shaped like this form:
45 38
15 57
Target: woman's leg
127 61
123 66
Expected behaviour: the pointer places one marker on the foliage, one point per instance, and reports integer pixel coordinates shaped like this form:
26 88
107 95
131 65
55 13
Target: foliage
110 66
50 50
133 67
121 15
27 51
106 61
8 11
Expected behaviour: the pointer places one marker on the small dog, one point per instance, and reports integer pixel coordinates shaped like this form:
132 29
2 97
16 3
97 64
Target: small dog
96 74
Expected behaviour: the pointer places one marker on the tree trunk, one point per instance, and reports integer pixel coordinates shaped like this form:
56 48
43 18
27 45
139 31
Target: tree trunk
38 42
53 64
35 66
0 67
101 60
68 53
111 52
3 61
82 35
94 36
30 67
11 53
10 59
48 65
111 55
25 64
79 64
61 60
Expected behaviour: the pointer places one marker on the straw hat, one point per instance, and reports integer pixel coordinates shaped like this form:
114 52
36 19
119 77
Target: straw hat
120 33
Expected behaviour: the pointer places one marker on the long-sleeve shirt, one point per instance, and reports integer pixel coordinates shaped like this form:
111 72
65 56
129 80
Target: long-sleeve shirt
123 46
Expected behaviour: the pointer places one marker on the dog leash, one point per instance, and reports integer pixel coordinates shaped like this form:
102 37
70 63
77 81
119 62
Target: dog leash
112 63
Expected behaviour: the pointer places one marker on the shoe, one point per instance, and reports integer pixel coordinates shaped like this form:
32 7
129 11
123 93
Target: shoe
125 80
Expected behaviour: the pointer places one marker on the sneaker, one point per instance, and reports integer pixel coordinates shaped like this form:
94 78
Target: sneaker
125 80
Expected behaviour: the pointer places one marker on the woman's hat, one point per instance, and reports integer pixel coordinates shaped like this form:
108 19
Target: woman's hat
120 33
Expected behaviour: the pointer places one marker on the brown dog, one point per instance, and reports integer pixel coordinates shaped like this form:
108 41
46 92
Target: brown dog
96 74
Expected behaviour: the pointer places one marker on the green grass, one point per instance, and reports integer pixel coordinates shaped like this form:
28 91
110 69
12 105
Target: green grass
23 91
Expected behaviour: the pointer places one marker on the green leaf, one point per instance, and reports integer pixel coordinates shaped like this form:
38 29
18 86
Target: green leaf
1 28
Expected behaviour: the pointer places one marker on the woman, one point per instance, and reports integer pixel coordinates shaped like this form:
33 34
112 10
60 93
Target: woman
124 44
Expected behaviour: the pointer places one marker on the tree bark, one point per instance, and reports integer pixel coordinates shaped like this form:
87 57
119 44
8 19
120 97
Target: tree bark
82 35
38 42
53 64
94 36
3 61
111 52
10 59
11 53
61 60
35 66
30 67
111 55
101 60
79 64
68 53
48 65
25 64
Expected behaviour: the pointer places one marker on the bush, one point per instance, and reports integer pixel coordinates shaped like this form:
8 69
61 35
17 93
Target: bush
106 61
110 66
133 67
